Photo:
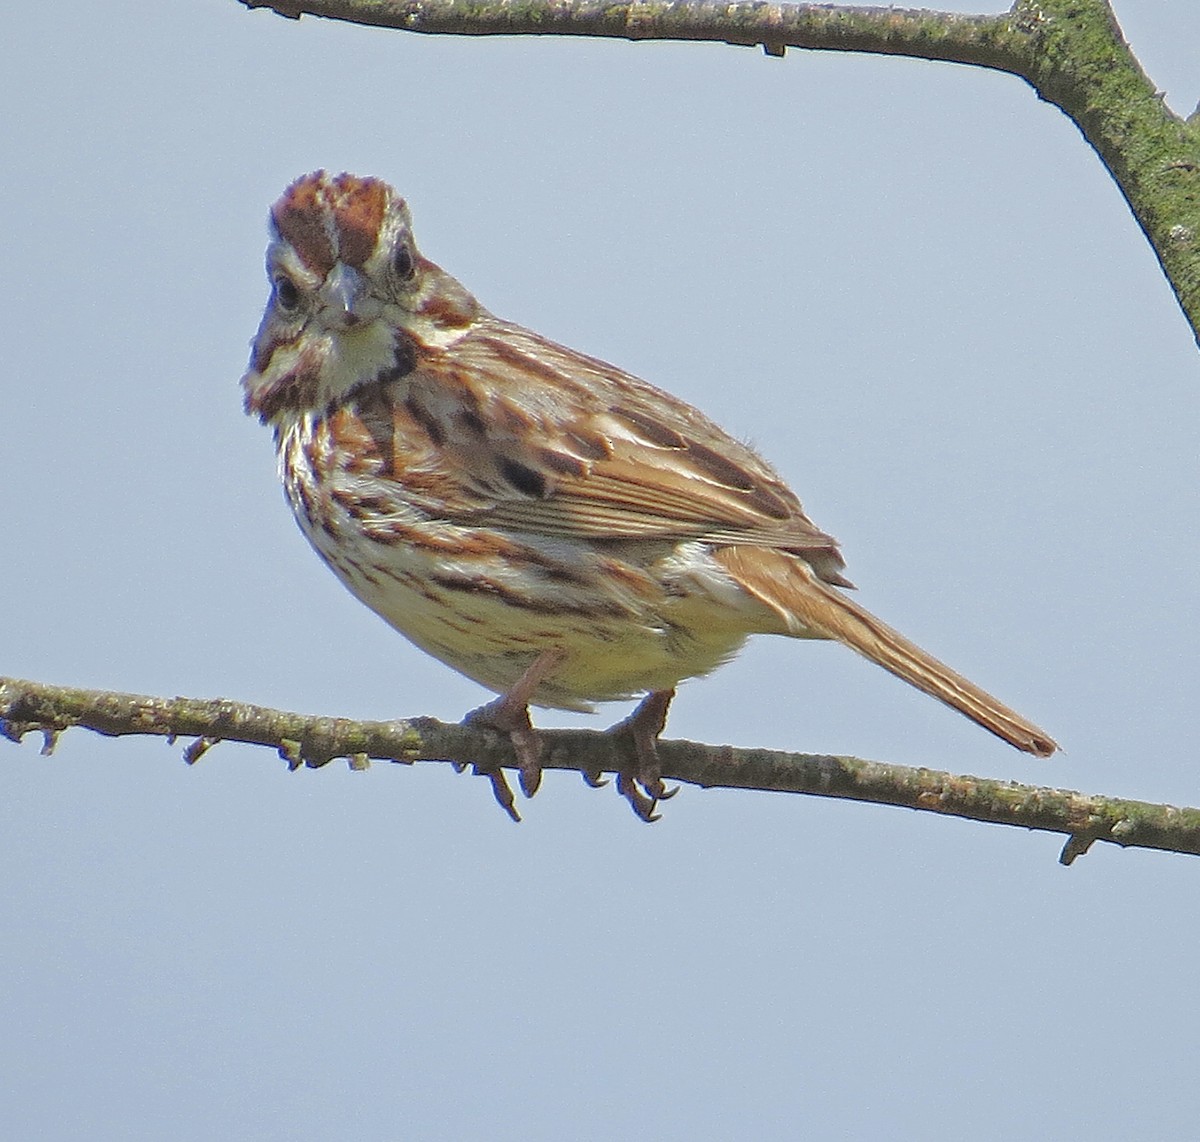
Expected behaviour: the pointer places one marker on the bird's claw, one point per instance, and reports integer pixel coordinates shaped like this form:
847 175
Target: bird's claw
501 789
642 804
641 784
509 715
504 717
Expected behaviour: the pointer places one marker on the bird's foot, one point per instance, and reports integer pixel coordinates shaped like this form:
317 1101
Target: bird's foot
641 783
509 715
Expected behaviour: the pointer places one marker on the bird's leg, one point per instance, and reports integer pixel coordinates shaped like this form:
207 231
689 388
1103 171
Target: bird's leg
509 715
642 785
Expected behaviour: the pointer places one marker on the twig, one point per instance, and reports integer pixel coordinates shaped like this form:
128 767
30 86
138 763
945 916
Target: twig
1070 51
301 739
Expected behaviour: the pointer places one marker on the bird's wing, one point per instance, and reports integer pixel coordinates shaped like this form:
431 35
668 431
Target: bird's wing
510 430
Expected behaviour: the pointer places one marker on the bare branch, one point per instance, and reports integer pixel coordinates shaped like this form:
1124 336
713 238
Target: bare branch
300 739
1070 51
894 31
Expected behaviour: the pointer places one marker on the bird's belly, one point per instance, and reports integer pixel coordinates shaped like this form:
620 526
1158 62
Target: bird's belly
627 618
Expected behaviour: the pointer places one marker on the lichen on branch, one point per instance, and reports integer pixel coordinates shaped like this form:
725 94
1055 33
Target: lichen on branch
1071 52
313 741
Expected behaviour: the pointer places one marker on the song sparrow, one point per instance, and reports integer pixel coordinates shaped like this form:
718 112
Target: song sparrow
552 527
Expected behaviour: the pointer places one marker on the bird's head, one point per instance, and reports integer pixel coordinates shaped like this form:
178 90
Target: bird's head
352 301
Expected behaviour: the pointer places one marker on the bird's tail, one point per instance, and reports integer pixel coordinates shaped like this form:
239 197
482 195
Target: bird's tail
810 608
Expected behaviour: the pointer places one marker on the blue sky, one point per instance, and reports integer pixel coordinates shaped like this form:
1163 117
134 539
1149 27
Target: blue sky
917 292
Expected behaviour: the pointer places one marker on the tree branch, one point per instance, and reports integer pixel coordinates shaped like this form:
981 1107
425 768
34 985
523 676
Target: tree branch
1070 51
27 707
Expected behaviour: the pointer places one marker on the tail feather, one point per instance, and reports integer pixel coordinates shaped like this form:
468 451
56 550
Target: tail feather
810 608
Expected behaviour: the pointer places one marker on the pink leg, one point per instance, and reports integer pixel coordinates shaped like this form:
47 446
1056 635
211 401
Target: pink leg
509 715
642 784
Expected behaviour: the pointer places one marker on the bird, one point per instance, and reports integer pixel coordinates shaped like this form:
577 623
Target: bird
545 523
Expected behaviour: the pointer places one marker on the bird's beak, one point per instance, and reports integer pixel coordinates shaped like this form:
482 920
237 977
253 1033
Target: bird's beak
346 300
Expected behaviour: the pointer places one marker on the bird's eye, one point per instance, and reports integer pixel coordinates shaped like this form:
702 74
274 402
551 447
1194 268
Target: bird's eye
287 293
403 263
